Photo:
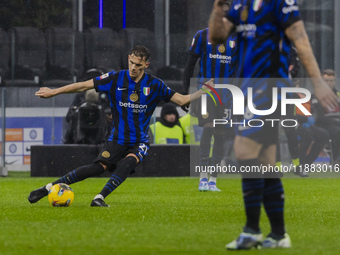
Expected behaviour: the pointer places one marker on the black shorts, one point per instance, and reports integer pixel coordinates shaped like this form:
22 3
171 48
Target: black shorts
112 152
266 133
262 129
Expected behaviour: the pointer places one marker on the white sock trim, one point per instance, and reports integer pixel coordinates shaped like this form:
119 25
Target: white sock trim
99 197
203 175
212 179
48 186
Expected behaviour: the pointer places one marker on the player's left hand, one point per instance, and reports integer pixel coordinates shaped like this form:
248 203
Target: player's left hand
44 93
208 84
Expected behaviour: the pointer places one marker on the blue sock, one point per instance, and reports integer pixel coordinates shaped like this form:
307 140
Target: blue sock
273 201
252 195
81 173
122 171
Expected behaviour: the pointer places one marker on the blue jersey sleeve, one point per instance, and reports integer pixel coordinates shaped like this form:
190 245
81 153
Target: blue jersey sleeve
233 14
164 92
105 81
287 12
196 44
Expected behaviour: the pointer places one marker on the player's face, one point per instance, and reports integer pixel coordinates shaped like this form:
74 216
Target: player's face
137 66
330 80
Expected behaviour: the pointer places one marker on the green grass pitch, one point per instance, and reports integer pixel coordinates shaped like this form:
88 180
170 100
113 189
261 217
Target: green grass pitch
160 216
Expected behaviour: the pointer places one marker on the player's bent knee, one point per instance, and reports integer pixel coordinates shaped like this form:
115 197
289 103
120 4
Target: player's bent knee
104 166
133 155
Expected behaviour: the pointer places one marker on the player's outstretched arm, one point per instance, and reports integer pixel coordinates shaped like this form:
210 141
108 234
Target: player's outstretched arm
220 27
186 99
297 34
68 89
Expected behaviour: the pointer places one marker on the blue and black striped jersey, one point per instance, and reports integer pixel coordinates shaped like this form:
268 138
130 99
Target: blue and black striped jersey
260 25
216 61
285 57
132 104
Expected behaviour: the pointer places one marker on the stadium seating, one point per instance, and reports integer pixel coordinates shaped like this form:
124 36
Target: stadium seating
5 55
170 73
29 56
62 66
47 59
131 37
179 50
175 85
102 47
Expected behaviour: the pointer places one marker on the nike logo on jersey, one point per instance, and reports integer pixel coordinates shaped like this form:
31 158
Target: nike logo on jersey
121 88
238 6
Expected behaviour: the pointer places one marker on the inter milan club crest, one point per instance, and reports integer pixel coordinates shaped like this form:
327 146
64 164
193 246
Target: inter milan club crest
133 96
244 14
146 91
106 154
221 48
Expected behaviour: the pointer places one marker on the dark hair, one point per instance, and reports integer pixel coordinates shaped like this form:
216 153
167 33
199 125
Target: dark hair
328 72
141 51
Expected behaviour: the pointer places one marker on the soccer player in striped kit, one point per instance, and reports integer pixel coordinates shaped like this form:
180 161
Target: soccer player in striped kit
134 95
260 25
219 62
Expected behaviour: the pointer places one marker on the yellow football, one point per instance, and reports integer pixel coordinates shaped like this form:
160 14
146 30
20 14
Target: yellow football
60 195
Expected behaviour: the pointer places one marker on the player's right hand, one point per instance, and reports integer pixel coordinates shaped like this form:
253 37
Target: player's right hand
44 93
209 83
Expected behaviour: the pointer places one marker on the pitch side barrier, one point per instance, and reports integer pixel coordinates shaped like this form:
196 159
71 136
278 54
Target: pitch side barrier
162 160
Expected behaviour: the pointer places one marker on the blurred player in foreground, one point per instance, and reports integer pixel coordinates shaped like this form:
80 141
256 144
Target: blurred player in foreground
260 26
134 96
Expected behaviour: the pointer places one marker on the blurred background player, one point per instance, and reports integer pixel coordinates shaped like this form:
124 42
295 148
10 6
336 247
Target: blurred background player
134 96
168 129
215 61
312 138
329 118
260 26
289 65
